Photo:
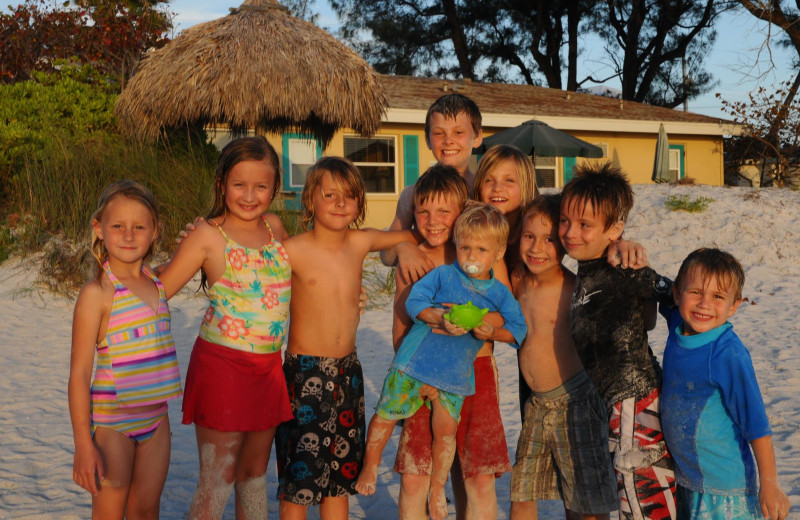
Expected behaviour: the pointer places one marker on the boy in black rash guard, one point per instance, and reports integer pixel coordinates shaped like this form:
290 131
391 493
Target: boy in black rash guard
610 335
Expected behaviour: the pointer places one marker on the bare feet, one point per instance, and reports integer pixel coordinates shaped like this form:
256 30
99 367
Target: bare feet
367 480
437 503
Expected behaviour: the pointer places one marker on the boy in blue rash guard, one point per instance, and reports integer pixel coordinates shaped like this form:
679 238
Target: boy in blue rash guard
711 405
426 360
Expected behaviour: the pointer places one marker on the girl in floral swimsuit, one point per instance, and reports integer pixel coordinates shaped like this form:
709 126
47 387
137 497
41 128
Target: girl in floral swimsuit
235 389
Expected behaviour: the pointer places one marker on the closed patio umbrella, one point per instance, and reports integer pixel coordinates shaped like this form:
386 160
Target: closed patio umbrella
661 164
257 68
536 137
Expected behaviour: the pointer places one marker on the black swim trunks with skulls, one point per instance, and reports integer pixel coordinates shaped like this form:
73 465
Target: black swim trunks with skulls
320 452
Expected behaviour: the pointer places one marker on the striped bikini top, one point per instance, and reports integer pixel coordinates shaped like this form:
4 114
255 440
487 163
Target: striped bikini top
136 361
249 305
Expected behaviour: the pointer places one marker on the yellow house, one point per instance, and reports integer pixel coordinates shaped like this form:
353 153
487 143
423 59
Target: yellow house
398 154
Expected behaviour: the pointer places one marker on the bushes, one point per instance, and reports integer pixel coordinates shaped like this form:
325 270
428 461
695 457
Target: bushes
59 148
58 191
682 203
75 103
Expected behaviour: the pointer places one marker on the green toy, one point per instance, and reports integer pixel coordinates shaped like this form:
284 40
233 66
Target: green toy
466 316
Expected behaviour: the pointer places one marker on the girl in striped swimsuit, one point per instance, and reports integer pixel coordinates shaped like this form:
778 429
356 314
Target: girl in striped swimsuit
119 420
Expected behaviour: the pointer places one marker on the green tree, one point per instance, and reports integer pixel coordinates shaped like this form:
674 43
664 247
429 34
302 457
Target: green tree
655 47
417 37
650 41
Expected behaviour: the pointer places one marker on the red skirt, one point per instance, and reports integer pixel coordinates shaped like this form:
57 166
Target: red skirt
233 391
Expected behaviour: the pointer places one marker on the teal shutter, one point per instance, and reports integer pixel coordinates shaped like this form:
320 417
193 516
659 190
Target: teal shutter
286 163
410 159
569 164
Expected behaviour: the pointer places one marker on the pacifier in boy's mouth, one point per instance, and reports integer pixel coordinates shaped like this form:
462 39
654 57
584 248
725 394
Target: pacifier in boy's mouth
472 267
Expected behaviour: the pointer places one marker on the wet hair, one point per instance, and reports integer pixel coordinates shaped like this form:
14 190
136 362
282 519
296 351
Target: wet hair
131 190
547 206
605 186
526 175
255 148
481 219
441 181
345 175
714 263
450 105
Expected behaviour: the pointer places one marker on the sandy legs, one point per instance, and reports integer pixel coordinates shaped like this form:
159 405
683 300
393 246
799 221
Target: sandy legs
443 452
134 474
231 460
413 501
475 497
378 434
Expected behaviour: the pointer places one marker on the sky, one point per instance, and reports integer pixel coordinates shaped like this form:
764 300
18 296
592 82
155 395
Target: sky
739 60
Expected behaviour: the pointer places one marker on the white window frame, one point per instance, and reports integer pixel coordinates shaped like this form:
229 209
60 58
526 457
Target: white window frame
311 147
395 165
554 168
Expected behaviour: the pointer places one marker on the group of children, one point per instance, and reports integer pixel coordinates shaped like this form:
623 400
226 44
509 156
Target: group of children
591 433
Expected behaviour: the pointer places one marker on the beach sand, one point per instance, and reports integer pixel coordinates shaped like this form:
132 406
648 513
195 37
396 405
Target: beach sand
760 227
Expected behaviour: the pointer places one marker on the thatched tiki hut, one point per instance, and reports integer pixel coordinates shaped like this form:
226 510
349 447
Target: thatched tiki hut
257 68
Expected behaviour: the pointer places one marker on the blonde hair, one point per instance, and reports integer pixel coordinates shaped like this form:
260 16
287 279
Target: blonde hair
345 175
481 219
526 174
130 190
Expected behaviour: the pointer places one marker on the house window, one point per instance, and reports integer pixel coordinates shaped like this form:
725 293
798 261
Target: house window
302 154
675 160
545 171
376 159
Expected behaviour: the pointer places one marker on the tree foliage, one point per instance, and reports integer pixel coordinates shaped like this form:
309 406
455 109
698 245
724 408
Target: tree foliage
75 101
772 133
655 39
109 35
647 42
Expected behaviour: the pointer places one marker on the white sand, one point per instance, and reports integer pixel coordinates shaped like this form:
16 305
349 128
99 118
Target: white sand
762 228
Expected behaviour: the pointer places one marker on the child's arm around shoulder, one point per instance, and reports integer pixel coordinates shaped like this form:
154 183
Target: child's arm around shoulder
91 309
379 240
278 230
191 255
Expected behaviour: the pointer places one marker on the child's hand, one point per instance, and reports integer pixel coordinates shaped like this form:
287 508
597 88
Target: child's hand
451 328
412 263
428 392
191 226
484 331
774 502
87 469
627 253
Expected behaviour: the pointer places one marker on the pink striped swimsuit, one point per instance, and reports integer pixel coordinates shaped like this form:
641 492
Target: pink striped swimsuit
136 364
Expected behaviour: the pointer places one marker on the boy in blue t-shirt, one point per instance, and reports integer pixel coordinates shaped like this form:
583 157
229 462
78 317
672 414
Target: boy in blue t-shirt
712 412
445 361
